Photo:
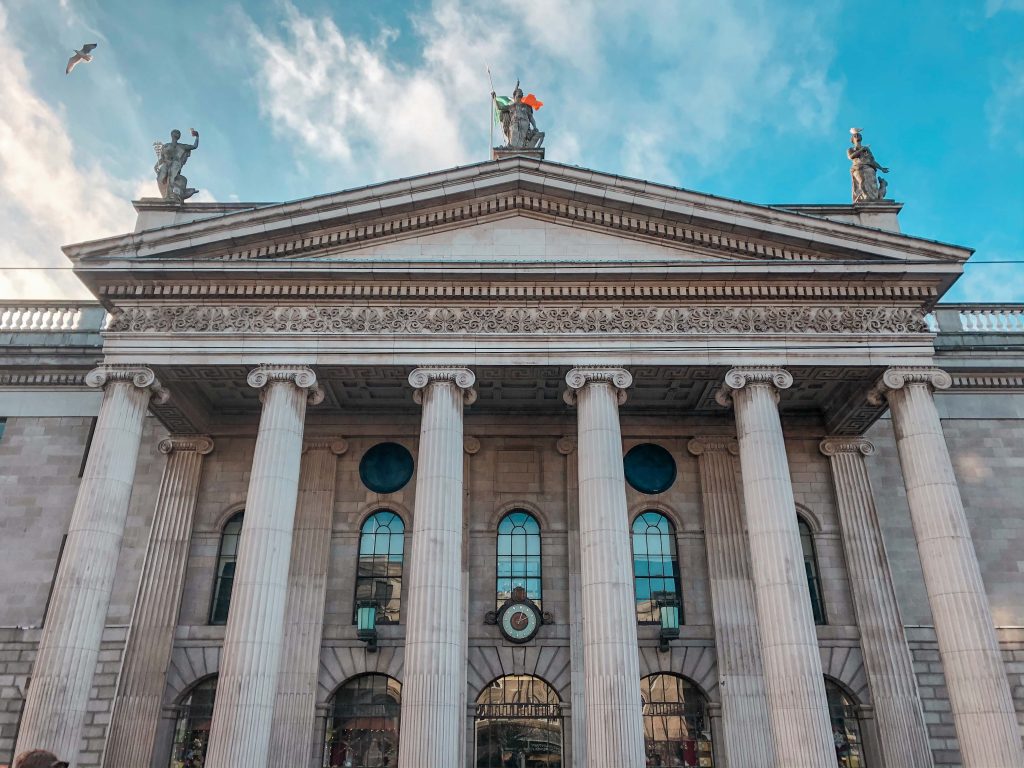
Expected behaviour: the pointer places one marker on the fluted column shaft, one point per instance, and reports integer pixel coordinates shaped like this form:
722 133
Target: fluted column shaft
147 653
747 733
291 737
615 729
894 693
797 706
979 691
250 660
58 693
434 646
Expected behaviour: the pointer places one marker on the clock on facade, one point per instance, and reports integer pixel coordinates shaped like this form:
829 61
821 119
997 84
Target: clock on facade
519 618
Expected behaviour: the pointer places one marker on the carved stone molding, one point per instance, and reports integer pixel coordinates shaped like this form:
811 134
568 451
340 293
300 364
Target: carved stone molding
577 378
515 319
463 378
302 376
738 378
831 446
471 445
201 444
44 379
713 444
899 376
335 445
137 375
566 445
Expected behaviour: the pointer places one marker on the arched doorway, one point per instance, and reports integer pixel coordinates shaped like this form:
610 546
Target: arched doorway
846 730
192 728
518 724
677 729
362 731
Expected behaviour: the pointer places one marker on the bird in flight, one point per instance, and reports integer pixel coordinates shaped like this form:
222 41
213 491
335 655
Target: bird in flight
82 55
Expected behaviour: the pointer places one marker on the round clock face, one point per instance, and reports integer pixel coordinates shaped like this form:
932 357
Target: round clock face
519 622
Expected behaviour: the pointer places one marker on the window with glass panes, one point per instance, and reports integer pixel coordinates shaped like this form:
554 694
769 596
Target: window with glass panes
227 558
655 567
677 727
192 728
811 569
379 569
362 731
519 563
846 734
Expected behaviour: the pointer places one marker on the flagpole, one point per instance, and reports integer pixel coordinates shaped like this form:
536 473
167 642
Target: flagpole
490 115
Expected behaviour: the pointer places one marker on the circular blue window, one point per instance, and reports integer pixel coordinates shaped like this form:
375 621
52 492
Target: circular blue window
649 468
386 467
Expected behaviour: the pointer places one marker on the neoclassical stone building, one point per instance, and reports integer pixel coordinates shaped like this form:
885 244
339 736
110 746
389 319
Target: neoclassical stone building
518 465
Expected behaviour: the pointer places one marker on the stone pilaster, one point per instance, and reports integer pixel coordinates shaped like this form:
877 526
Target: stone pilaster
979 691
902 731
797 707
615 730
62 675
143 678
434 632
292 733
250 660
746 737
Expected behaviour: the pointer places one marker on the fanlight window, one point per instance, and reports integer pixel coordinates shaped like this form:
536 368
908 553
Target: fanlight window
363 729
192 730
846 735
227 557
519 556
518 724
655 566
379 571
677 729
811 568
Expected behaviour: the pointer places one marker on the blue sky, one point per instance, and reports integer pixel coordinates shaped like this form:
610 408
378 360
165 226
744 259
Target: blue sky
750 100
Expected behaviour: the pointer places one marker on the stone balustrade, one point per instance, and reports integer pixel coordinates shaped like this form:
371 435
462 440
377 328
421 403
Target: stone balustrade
977 318
52 316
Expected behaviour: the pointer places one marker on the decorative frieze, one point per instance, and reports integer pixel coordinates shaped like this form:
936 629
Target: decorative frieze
518 319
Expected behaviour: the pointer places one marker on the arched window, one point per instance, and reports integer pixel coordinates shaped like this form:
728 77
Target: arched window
842 712
655 566
363 729
379 571
518 723
227 556
677 729
192 730
811 568
519 556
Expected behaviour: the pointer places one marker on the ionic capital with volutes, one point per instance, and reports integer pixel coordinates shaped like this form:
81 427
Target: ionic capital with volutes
832 446
619 378
739 378
463 378
698 446
335 445
302 376
900 376
201 444
137 375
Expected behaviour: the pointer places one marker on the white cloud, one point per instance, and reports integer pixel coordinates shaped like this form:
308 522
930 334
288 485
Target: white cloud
47 195
1005 106
989 283
992 7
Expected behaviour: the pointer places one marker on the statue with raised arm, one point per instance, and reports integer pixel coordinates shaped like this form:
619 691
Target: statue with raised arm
517 123
170 159
867 187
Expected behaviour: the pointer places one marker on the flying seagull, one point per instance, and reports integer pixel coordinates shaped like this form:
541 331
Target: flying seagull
82 55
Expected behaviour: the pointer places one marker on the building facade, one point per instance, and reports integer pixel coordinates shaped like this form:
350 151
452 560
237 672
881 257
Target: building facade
513 465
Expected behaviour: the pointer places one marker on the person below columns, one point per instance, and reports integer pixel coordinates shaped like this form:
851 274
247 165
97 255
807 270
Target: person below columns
797 706
247 682
58 696
979 691
611 659
434 644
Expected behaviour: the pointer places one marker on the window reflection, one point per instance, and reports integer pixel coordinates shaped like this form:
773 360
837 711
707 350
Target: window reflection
842 712
655 566
518 724
811 569
677 729
364 724
379 570
519 563
227 557
192 729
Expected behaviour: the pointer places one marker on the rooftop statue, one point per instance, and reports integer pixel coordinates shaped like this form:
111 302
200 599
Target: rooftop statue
517 123
867 187
170 159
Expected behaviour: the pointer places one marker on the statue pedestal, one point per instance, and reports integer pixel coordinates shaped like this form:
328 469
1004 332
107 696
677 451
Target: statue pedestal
500 153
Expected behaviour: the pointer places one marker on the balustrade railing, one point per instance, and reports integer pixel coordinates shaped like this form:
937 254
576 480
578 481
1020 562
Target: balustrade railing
52 316
977 318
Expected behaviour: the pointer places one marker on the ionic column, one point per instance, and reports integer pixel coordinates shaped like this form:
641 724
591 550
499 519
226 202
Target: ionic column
61 679
434 632
147 653
250 659
611 661
979 691
897 702
747 733
797 707
291 736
